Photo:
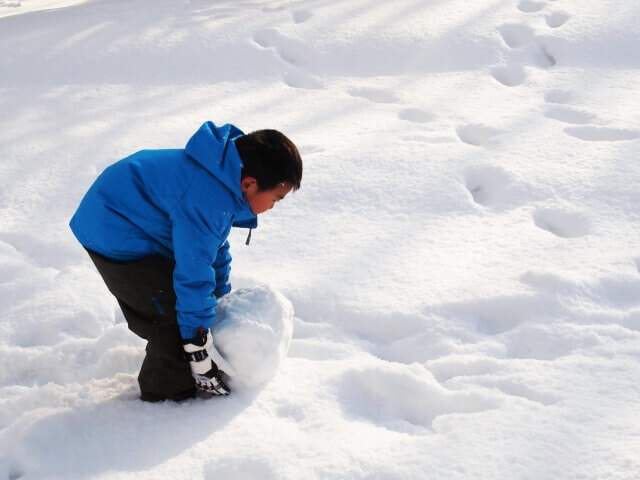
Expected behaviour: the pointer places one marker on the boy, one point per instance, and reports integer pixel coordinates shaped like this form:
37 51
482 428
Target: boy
155 225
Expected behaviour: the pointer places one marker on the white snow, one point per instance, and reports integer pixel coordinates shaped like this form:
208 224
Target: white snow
252 332
462 259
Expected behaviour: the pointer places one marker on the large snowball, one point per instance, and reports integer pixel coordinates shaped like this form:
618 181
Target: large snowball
252 331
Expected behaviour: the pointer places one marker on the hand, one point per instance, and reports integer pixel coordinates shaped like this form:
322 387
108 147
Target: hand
205 361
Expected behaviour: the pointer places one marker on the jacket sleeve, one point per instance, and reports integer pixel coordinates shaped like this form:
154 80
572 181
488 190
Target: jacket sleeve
222 268
196 241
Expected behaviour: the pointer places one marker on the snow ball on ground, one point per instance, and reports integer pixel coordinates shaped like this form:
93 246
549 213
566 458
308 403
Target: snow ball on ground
253 331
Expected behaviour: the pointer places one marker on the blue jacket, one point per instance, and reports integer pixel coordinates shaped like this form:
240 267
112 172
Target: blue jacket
178 203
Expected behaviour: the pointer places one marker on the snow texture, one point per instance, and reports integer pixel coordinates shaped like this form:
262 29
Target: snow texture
252 332
462 257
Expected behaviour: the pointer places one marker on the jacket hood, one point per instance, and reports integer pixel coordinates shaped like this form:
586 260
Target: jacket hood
212 147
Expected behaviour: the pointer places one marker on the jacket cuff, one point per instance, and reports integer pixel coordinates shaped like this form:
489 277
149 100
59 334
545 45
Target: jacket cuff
222 290
188 332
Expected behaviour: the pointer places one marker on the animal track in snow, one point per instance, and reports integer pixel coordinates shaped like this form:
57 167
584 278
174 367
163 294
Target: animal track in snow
570 115
517 388
14 472
561 223
557 19
238 468
509 76
545 58
529 6
417 115
290 50
294 52
372 393
638 264
446 368
293 411
558 96
516 35
546 342
549 48
376 95
274 8
499 314
476 134
602 134
301 16
296 79
266 38
491 185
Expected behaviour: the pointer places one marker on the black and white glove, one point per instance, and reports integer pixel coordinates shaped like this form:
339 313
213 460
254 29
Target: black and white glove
207 365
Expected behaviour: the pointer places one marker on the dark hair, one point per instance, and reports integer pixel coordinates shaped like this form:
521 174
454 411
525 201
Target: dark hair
270 158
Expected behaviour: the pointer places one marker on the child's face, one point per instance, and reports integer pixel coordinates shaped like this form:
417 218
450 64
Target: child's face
261 201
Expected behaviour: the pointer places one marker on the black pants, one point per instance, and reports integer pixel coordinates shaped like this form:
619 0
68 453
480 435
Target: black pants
144 290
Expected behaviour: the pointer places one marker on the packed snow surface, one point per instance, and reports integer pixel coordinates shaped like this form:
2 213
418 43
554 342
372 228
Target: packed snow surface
462 259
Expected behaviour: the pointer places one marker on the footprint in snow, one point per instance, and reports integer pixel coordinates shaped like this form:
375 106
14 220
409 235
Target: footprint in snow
546 58
301 16
562 223
515 388
292 411
558 96
509 76
290 50
298 79
476 134
546 342
404 398
493 186
240 467
529 6
267 37
274 8
570 115
416 115
516 35
557 19
602 134
638 264
376 95
14 472
451 366
294 52
499 314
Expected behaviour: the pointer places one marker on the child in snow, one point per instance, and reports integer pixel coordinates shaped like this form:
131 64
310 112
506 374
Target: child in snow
155 225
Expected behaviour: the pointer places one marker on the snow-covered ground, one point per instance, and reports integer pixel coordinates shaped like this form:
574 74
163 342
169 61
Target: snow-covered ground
462 258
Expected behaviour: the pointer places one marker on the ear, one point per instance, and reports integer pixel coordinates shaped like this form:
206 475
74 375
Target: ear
248 184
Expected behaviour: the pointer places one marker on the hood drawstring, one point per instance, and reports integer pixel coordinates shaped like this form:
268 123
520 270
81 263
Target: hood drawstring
248 236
